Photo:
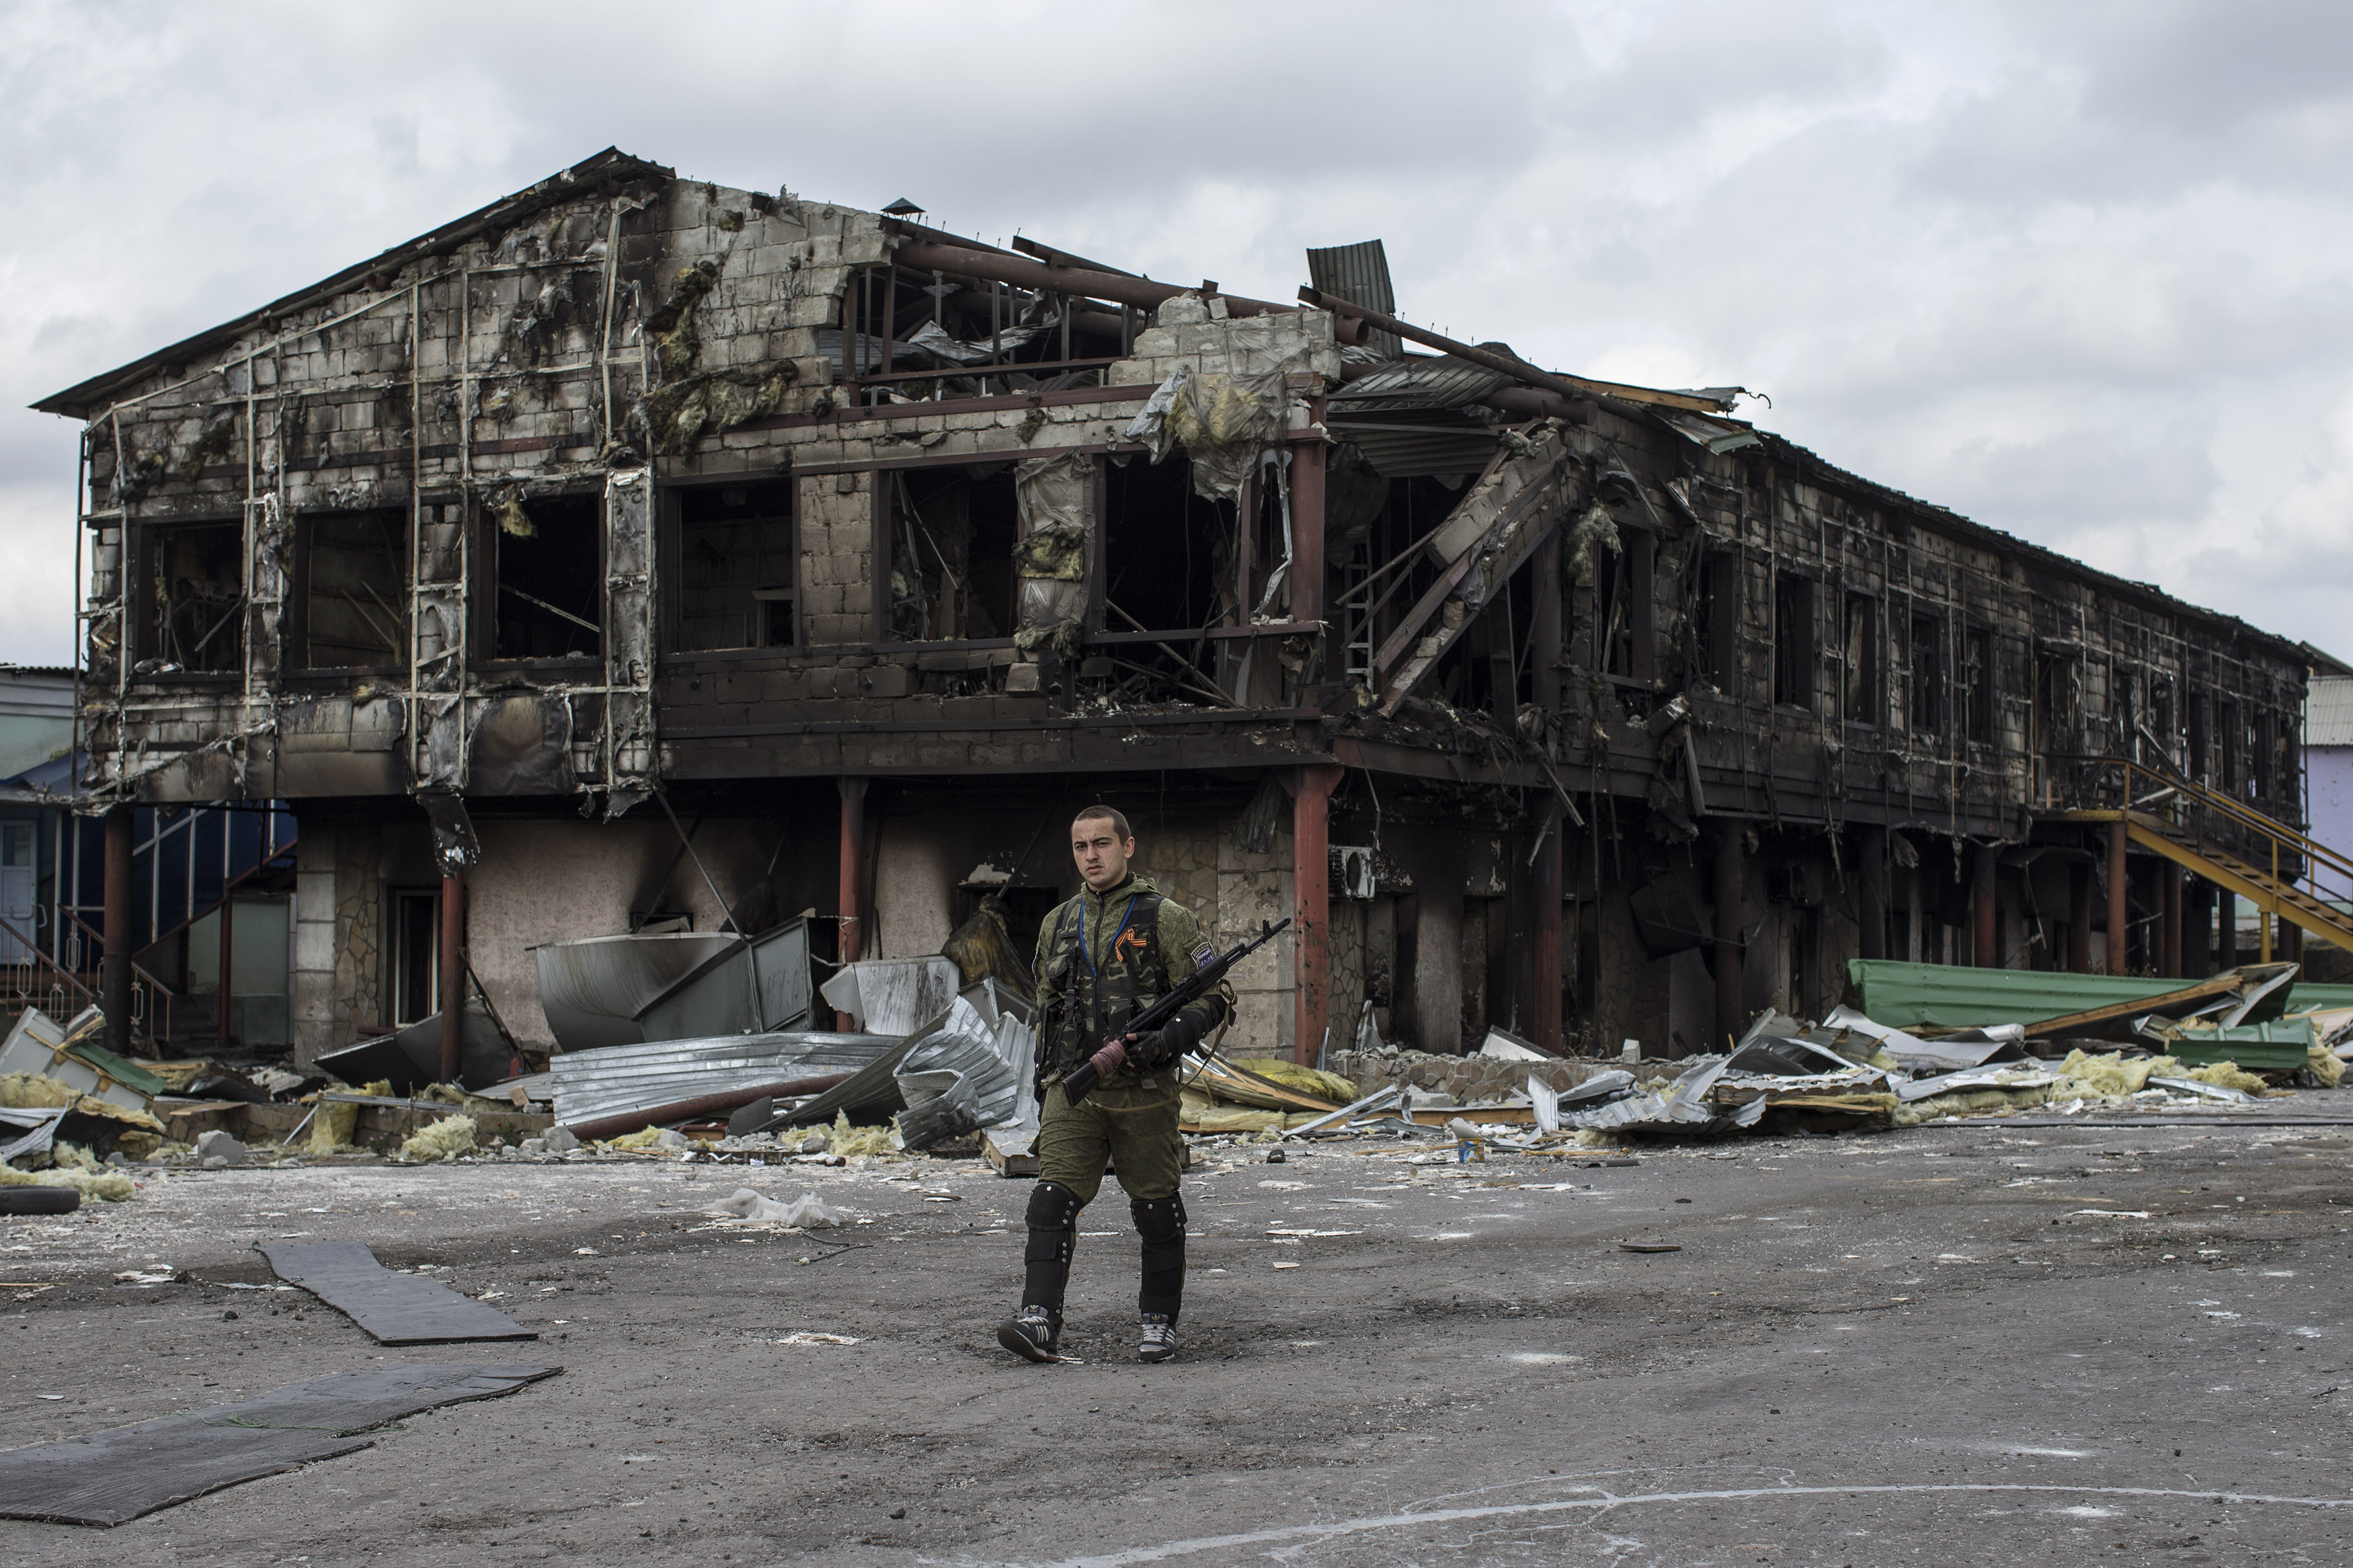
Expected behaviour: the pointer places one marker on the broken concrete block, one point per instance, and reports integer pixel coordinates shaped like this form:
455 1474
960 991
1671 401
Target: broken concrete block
223 1147
559 1141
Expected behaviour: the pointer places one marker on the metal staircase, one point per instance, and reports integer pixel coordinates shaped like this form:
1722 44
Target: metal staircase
2227 841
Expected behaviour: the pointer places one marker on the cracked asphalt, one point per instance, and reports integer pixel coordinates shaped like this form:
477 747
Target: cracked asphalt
1987 1343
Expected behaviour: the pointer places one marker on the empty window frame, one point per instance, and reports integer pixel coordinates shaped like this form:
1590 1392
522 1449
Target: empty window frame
193 582
1641 604
2202 751
1168 555
735 579
2056 720
1719 616
2124 709
1976 684
2231 746
548 565
1793 641
2162 719
354 588
1865 697
953 529
1926 714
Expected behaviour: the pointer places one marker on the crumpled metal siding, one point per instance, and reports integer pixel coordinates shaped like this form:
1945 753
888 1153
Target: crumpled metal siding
1358 273
595 1084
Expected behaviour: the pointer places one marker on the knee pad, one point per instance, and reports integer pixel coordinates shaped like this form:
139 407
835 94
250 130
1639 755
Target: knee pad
1053 1212
1158 1220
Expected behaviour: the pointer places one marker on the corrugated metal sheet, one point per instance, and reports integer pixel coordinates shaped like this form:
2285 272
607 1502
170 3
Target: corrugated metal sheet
587 1085
1415 383
894 995
1402 451
2328 712
1360 274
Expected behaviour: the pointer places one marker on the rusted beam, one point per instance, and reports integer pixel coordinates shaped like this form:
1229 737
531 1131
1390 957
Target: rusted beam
2119 925
1024 273
1512 366
1311 909
452 975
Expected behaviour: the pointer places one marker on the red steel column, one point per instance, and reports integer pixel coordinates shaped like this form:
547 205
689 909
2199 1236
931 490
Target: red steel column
1544 681
853 880
114 979
1310 907
2119 926
453 974
1307 522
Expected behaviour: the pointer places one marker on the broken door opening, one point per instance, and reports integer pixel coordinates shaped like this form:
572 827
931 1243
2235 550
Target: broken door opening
735 581
355 571
1166 550
550 567
953 532
194 590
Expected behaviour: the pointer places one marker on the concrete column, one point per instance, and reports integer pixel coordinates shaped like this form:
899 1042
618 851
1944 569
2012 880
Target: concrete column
2119 926
2168 902
1731 850
2079 917
453 974
2226 929
114 979
1987 953
1543 675
853 880
1311 904
227 934
2198 928
1871 895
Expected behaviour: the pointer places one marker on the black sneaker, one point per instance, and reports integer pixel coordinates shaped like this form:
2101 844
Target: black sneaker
1036 1334
1159 1337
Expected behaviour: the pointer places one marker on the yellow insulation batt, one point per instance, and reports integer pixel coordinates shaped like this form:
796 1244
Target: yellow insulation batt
1203 1113
2112 1076
444 1140
643 1137
844 1140
1969 1102
335 1123
1302 1078
113 1185
24 1091
2229 1074
2324 1066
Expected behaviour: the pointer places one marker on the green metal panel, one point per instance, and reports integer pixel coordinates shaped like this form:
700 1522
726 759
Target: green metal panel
2276 1046
1949 996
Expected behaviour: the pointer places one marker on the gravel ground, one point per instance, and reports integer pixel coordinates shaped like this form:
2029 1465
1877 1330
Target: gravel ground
1982 1344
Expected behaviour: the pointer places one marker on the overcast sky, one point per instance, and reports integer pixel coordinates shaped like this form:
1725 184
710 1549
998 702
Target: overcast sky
2079 271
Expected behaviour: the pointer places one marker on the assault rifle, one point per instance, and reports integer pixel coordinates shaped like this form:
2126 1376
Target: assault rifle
1113 1054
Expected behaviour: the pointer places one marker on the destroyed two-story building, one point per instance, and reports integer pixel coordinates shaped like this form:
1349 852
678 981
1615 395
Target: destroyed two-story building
636 553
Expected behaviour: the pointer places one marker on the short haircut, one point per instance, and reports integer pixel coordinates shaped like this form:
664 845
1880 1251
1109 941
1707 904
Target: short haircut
1109 814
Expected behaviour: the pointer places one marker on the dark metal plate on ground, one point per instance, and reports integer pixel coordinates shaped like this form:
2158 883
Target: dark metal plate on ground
1650 1247
397 1309
40 1200
109 1477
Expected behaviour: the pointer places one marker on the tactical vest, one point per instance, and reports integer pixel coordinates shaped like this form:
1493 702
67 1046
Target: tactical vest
1092 1005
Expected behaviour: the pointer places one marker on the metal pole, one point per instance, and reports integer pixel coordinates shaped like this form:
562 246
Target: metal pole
1729 852
2118 925
453 974
114 985
1543 684
1311 907
852 944
227 927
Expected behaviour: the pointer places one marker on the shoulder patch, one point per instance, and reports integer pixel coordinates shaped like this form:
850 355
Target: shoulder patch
1203 954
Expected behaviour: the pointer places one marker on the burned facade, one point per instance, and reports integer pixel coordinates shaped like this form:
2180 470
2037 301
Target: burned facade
644 553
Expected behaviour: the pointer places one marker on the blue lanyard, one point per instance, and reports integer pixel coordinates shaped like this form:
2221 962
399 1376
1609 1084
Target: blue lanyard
1115 936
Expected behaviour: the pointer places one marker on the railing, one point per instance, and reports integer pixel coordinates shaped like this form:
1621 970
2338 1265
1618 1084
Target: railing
151 998
2210 823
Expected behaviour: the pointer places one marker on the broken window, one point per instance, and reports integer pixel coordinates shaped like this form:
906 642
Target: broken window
2054 704
415 953
548 554
2124 709
735 559
1719 615
2200 753
952 531
2231 729
1641 605
1793 642
354 596
1864 704
195 598
1976 684
1927 690
2161 715
1166 550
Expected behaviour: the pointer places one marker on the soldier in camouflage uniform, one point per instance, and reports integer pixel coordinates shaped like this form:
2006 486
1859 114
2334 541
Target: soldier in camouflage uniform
1103 957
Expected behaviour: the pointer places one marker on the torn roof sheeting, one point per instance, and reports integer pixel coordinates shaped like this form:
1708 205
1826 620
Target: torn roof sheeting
1359 273
1417 415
